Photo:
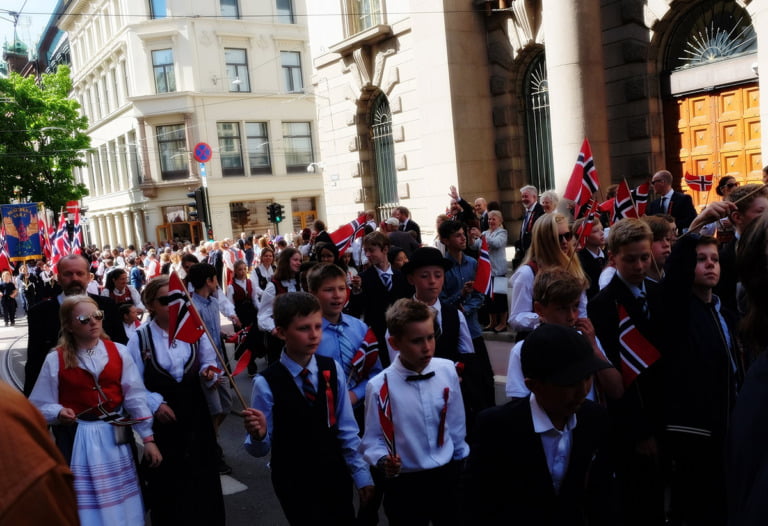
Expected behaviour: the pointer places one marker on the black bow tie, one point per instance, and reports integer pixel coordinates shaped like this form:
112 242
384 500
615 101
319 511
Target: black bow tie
418 377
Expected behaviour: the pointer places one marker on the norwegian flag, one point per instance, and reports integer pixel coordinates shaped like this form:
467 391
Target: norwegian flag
45 233
608 207
699 183
344 236
637 353
364 359
184 321
385 417
60 243
483 279
622 204
5 259
585 229
584 181
640 196
238 339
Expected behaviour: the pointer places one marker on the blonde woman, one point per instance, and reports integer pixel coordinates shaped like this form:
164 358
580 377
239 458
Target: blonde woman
549 201
8 292
496 237
552 246
84 377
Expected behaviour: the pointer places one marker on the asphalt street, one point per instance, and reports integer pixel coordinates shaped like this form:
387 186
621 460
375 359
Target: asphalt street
249 498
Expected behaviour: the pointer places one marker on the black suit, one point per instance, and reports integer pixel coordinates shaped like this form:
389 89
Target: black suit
511 484
484 222
526 234
680 207
43 320
374 300
593 267
638 415
411 226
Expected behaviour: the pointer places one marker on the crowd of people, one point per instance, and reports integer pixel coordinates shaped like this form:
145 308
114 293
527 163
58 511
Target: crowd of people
634 388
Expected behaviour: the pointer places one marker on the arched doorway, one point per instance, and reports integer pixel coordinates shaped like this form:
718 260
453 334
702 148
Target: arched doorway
538 133
385 171
711 103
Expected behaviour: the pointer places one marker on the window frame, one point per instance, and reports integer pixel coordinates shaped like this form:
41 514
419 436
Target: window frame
153 9
168 134
290 75
235 5
285 13
230 152
262 146
239 68
289 148
166 69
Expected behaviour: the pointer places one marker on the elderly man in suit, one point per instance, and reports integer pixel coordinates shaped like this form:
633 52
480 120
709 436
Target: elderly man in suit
532 210
43 317
677 204
403 215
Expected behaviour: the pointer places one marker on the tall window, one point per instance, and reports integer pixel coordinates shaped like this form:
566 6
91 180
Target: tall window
229 9
230 149
297 143
258 147
384 155
362 14
162 67
173 154
291 61
285 12
237 69
157 9
538 127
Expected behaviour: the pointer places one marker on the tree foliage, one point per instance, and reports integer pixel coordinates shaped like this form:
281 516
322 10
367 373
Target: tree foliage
42 139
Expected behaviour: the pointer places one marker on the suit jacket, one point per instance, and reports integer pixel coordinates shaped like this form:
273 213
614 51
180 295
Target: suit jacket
43 320
509 479
638 414
681 208
524 241
484 221
411 226
592 268
404 240
374 300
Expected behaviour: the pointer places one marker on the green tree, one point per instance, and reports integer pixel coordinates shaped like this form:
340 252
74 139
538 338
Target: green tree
42 139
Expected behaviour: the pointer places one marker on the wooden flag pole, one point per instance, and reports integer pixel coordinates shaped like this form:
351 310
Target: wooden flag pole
216 350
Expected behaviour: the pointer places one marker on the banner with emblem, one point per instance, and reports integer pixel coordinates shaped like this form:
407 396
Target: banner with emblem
22 235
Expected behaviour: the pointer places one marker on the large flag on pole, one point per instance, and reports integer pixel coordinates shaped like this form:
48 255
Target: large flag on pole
184 323
483 277
584 181
59 243
622 203
344 236
640 197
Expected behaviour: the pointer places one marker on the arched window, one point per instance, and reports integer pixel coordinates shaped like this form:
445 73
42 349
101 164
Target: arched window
384 155
538 133
710 32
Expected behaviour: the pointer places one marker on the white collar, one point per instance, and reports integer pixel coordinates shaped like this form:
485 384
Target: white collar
541 421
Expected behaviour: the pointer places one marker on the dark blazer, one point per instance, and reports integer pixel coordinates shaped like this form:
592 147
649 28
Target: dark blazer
638 414
726 287
411 226
681 208
374 300
484 222
592 268
524 241
404 240
509 479
43 320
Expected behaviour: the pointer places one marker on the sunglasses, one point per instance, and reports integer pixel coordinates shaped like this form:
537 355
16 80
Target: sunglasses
657 181
164 300
565 237
731 185
84 319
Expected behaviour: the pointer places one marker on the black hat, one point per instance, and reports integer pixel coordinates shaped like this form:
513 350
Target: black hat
426 257
558 355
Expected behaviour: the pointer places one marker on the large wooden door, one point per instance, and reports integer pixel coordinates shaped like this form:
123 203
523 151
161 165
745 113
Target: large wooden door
715 133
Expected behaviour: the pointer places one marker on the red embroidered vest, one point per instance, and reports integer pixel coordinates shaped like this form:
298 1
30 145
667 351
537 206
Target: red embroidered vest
241 294
77 387
125 297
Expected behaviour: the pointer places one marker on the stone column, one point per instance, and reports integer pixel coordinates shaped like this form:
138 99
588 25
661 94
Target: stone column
144 150
100 232
110 223
120 230
129 237
576 79
138 223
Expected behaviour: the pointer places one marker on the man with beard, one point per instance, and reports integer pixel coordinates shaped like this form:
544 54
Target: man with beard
43 318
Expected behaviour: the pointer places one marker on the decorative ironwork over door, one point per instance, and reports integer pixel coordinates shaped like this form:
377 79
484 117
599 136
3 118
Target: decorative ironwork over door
538 127
384 156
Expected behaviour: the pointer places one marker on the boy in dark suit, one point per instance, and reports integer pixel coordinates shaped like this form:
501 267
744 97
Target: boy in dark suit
621 315
591 256
544 459
378 287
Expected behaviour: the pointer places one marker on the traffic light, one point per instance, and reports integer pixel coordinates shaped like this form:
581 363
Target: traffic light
199 207
271 212
278 212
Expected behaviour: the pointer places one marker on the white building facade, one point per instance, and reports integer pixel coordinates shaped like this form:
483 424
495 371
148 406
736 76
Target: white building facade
157 77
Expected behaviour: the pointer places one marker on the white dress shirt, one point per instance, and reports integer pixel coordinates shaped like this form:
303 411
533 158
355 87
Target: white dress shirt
556 444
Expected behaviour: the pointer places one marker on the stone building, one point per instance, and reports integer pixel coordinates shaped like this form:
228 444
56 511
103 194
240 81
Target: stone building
157 77
493 95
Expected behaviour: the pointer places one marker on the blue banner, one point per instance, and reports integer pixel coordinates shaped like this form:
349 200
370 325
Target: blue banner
22 235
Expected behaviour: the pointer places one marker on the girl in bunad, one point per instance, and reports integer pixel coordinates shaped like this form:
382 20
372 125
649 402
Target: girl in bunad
84 385
116 287
186 488
262 273
287 278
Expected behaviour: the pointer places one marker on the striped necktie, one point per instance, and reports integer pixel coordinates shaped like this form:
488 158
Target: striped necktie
306 386
386 279
346 349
